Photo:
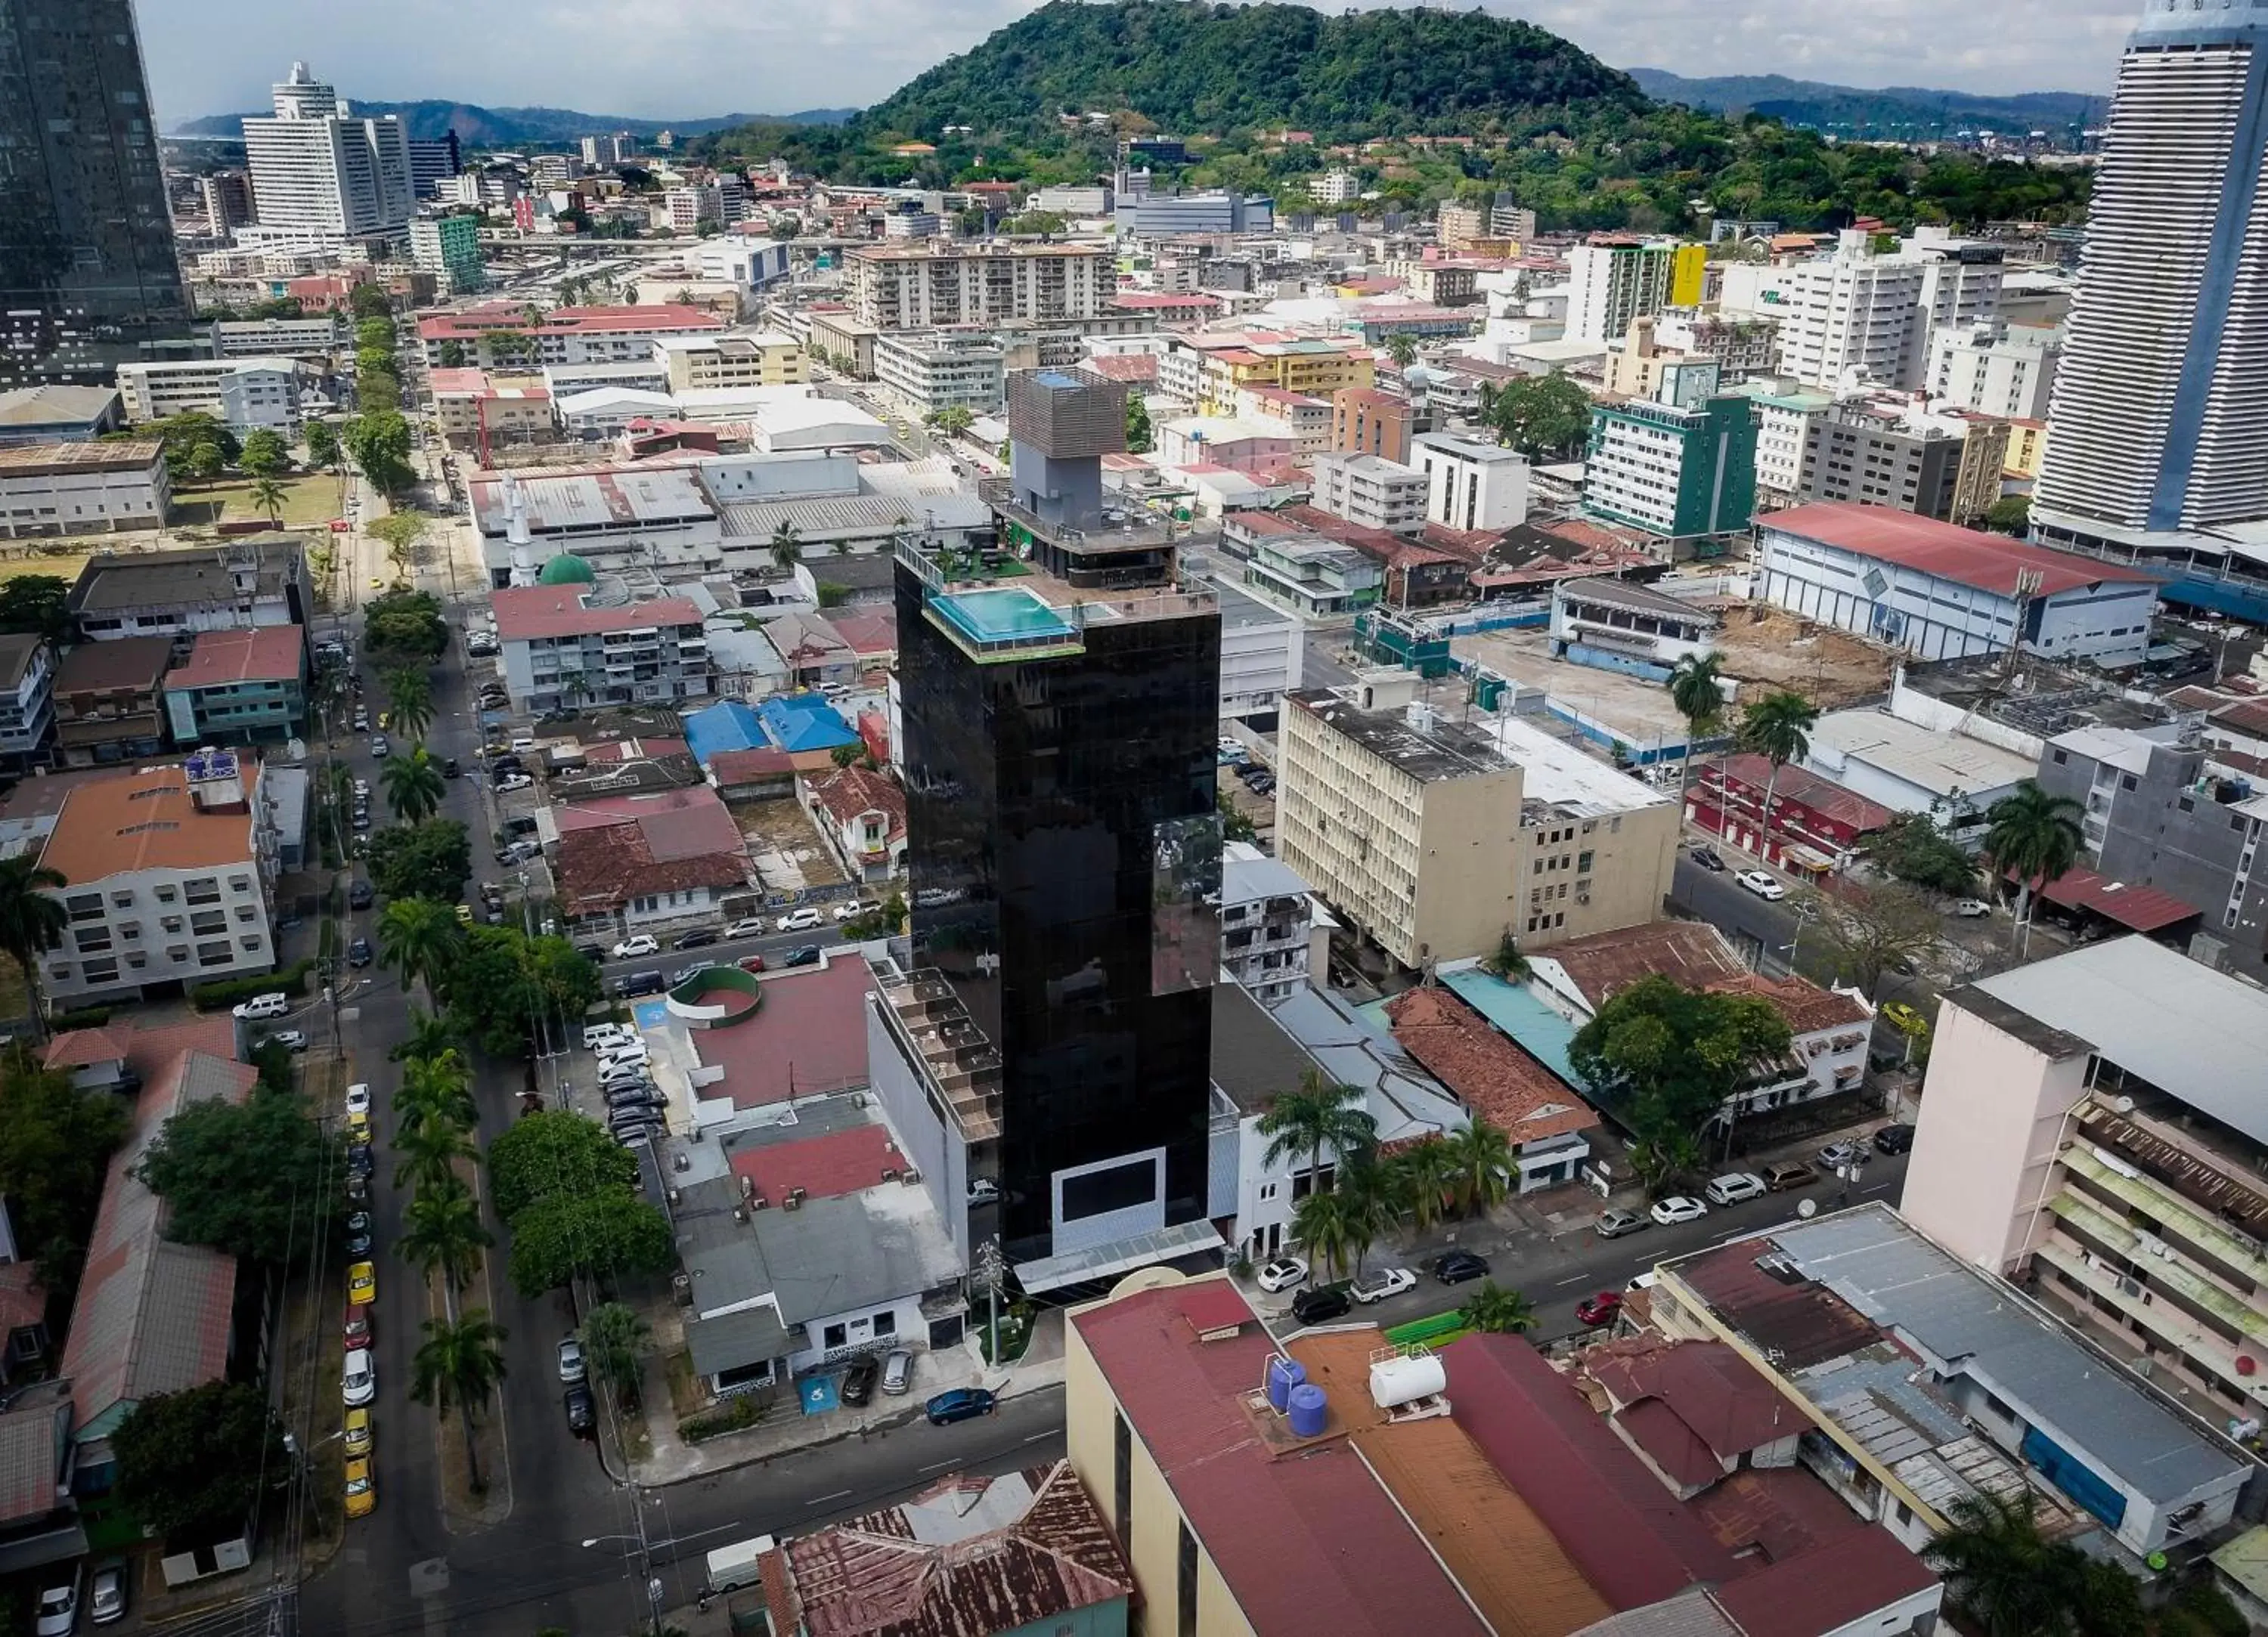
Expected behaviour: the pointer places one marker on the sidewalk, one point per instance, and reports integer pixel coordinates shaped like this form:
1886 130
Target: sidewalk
785 1429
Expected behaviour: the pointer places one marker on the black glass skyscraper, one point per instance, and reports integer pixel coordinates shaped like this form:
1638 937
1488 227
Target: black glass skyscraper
88 276
1060 700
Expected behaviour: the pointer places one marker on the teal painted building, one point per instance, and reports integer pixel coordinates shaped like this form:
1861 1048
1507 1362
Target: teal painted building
1682 465
240 687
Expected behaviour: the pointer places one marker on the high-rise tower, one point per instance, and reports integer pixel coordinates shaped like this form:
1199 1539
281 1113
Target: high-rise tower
1060 696
2160 420
319 171
88 278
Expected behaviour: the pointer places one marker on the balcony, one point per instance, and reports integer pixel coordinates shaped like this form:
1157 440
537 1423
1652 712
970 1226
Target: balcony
960 1063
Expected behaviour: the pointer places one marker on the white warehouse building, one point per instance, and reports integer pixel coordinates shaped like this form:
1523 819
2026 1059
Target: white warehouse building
1944 592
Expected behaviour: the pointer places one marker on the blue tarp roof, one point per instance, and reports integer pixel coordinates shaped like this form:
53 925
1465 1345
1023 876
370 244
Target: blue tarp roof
728 725
804 722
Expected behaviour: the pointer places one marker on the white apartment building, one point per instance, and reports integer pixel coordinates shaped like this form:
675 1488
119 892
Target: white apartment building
1854 315
319 171
914 289
1262 657
76 489
243 393
1471 485
2008 372
1786 416
1609 286
563 647
695 362
689 208
1372 491
1275 936
1336 187
912 224
170 870
1073 200
311 337
930 372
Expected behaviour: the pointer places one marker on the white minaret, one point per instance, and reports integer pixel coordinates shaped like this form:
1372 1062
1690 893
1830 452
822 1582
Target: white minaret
516 533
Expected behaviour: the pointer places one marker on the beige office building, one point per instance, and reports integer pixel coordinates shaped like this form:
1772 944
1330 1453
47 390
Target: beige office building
989 283
763 358
1436 837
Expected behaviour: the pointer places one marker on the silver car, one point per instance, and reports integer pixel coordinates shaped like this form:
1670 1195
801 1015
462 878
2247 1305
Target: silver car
898 1373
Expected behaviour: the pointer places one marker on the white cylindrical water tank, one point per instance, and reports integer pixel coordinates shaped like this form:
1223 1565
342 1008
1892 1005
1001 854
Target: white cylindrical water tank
1400 1380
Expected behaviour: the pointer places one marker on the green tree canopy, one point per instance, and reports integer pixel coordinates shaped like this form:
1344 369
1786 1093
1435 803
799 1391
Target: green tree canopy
322 443
413 783
1544 416
401 530
245 1178
615 1341
31 921
566 1237
263 455
1496 1312
404 626
36 605
555 1152
429 859
1912 848
55 1144
1877 929
1668 1056
377 441
503 981
193 1465
369 301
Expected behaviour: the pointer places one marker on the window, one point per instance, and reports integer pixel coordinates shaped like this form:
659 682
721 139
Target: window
834 1336
1122 1480
1268 1190
84 906
1583 863
885 1323
239 884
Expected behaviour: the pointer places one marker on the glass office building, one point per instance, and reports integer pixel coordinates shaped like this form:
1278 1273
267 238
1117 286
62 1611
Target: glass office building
88 276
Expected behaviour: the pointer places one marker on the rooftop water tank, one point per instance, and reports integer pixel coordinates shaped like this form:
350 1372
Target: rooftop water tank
1399 1380
1309 1411
1282 1375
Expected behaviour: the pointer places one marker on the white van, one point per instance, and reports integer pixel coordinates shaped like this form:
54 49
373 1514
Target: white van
734 1567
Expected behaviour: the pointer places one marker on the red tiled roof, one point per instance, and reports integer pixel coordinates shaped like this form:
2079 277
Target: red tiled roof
841 1162
1130 366
1673 1447
809 1036
1987 562
745 767
132 662
2137 909
83 1048
1823 796
1306 1541
1690 952
525 612
614 849
1804 1323
849 791
1623 1529
867 632
1830 1588
264 653
1807 1006
1488 1072
1708 1388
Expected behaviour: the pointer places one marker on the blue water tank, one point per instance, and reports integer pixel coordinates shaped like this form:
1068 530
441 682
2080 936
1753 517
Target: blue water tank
1309 1411
1282 1375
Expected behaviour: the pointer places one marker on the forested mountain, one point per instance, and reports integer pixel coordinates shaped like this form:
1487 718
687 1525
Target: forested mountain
1896 111
478 126
1576 141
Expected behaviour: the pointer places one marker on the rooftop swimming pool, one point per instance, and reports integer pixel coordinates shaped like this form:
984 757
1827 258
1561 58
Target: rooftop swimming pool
1009 615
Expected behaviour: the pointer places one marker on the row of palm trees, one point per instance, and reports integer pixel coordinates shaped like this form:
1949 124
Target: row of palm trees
1462 1173
461 1363
2029 834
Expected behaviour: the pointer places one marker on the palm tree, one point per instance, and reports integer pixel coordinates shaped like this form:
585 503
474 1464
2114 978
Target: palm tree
1507 962
427 1037
1777 728
418 938
787 548
32 921
2001 1573
460 1361
1371 1199
1402 347
441 1232
2034 837
437 1086
1320 1222
268 495
409 701
1429 1181
1481 1163
615 1340
1693 689
1494 1310
1314 1117
414 786
431 1145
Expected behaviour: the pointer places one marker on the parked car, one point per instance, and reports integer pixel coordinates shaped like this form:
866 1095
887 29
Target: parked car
1599 1310
1764 884
698 938
290 1039
360 895
58 1610
1678 1209
356 1329
451 769
686 974
1454 1267
359 953
851 909
360 1161
636 1095
1836 1155
572 1368
1706 858
512 782
1615 1224
1971 908
358 1098
592 951
274 1003
1789 1174
806 956
106 1601
1733 1186
1318 1304
961 1403
808 919
630 948
358 1380
639 983
358 1239
379 747
582 1410
361 1489
362 1283
1381 1283
752 927
1894 1139
897 1373
1281 1272
984 1191
859 1380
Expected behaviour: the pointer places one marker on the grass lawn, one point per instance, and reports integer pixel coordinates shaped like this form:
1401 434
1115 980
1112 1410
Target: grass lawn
310 501
64 562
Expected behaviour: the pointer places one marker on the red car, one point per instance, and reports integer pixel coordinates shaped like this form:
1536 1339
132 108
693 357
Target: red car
356 1332
1600 1310
752 963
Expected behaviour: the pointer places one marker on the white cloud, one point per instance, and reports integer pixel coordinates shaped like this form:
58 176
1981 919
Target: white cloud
686 58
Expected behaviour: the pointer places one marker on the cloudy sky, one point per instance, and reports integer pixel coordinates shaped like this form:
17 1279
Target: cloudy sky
663 59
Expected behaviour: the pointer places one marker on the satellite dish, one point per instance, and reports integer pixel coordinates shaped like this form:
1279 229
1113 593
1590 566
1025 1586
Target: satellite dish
1808 1209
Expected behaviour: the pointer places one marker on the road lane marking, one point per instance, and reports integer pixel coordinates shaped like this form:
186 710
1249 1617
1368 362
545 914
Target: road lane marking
840 1495
1037 1436
1577 1279
936 1466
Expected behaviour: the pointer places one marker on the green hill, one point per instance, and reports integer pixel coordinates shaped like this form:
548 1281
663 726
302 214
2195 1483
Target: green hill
1574 140
485 128
1895 111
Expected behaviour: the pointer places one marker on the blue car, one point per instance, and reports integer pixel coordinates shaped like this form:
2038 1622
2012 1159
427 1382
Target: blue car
959 1404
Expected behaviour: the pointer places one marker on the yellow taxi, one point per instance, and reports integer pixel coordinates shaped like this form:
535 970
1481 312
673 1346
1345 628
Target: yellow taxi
358 1125
362 1489
465 914
376 583
362 1284
359 1433
1905 1018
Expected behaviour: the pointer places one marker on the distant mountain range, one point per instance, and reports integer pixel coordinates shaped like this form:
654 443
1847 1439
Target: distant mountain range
478 126
1895 111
